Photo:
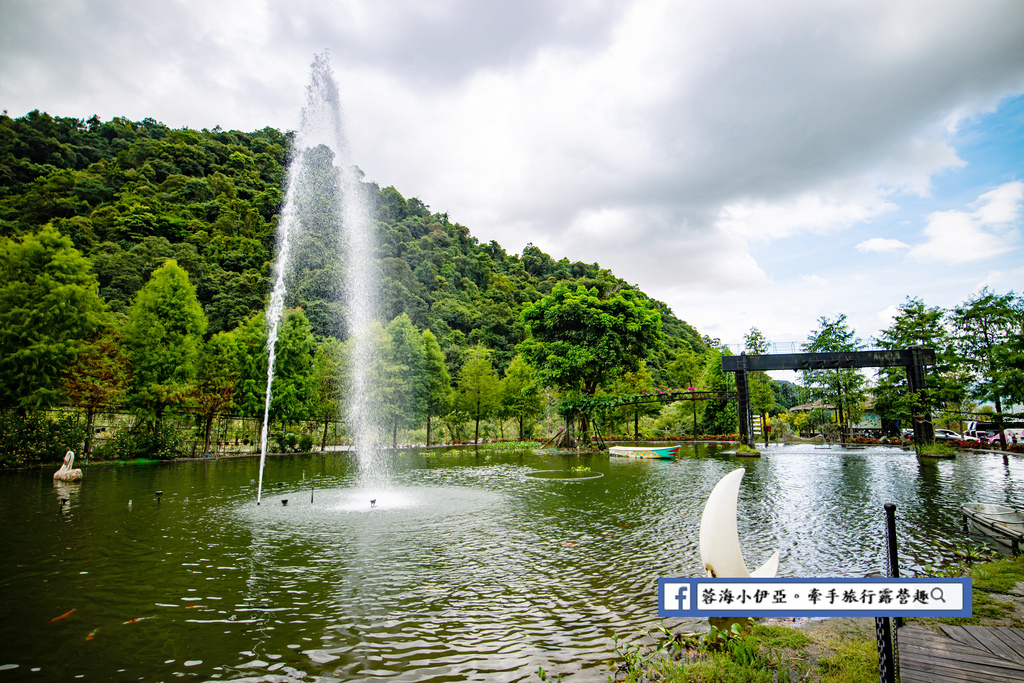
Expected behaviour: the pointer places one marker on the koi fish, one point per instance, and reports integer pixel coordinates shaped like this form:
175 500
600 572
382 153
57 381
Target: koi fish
93 634
60 617
132 621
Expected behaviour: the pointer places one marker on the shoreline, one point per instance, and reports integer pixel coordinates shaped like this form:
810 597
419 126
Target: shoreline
420 447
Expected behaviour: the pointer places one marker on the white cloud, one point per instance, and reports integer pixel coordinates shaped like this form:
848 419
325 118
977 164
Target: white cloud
819 212
956 237
671 142
881 245
815 280
886 315
1002 280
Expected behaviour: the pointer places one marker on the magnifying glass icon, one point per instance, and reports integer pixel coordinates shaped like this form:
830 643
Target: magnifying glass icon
937 595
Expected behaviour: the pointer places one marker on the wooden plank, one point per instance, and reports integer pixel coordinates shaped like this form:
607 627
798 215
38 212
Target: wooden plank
958 634
933 671
963 654
952 670
929 640
966 637
979 657
991 642
1013 644
1013 636
960 658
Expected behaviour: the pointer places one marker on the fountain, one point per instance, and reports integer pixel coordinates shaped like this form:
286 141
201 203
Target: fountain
326 210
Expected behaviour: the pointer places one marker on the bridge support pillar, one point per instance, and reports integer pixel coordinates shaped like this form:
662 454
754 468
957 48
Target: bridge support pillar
917 384
743 401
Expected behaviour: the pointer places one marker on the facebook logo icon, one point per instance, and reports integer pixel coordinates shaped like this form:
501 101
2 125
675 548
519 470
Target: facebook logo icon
675 596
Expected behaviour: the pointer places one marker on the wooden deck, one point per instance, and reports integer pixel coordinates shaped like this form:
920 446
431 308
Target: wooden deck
965 653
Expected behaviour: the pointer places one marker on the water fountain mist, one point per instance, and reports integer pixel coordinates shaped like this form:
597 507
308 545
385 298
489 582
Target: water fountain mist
321 167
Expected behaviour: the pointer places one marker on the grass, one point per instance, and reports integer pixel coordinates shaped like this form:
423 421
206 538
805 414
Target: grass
758 654
936 450
853 660
999 576
744 449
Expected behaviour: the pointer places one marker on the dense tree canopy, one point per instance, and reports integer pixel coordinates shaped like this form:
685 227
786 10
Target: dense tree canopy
580 337
49 309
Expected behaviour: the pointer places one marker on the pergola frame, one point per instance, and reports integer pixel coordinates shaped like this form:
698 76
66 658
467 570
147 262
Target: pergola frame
915 359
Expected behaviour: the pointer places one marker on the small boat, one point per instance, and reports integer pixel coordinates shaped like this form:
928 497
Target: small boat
648 452
1002 523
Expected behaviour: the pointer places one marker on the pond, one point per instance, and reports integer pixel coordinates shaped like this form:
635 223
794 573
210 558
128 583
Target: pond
468 569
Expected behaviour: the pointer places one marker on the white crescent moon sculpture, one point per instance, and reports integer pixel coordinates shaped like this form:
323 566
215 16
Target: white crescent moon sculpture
719 543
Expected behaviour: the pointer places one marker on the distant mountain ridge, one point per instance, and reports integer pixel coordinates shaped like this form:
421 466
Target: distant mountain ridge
132 194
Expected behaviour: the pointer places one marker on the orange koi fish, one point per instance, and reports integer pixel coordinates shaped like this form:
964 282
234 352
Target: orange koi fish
60 617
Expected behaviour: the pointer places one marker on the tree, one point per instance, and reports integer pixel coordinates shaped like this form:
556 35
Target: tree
684 371
989 332
916 324
164 338
437 381
49 310
478 387
404 360
519 395
762 398
250 396
843 388
293 387
216 380
98 380
579 338
633 382
328 379
719 414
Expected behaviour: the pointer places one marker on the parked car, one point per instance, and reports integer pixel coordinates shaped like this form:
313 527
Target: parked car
1012 436
978 435
947 435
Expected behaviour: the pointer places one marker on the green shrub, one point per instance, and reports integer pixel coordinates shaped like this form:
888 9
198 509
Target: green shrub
143 442
936 450
293 443
38 437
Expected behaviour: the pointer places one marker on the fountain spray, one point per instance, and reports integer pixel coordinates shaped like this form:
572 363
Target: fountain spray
321 157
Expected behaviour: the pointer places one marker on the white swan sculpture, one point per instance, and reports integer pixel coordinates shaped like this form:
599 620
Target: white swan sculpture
719 542
65 473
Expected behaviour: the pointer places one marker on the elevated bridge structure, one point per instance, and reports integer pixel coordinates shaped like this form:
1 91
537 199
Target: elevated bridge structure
915 359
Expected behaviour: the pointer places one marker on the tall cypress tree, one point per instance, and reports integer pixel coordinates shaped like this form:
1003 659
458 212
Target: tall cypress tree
164 337
437 380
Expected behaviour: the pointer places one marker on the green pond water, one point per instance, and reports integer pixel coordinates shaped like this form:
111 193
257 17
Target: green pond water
471 567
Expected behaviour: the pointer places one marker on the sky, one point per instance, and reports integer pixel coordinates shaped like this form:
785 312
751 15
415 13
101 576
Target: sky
751 164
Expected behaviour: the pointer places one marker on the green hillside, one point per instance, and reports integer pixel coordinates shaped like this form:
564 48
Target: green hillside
131 196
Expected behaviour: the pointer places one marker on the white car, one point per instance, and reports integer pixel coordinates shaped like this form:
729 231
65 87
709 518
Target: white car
947 435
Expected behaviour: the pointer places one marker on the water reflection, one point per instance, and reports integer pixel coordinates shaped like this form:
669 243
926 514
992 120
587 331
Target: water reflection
470 567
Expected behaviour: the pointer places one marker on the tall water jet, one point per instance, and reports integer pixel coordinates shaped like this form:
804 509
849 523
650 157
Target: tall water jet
326 218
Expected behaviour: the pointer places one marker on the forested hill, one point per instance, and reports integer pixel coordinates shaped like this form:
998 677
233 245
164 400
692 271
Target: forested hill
132 194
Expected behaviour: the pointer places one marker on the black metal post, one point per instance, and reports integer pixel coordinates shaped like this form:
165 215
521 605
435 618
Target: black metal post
890 533
886 630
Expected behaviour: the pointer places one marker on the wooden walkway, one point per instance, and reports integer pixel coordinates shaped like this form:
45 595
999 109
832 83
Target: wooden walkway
965 653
